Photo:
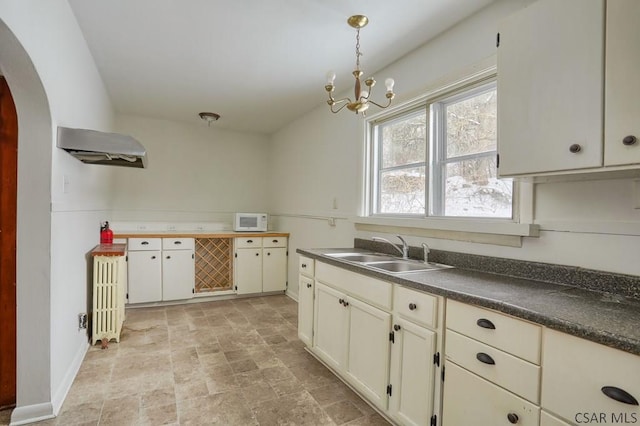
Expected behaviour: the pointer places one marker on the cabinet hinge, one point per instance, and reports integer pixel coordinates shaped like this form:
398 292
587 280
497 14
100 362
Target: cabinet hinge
287 252
126 258
193 256
392 337
235 255
193 290
497 161
498 40
236 288
436 359
434 420
442 375
127 296
389 390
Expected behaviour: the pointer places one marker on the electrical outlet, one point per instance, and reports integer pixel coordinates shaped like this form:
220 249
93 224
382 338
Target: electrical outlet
82 321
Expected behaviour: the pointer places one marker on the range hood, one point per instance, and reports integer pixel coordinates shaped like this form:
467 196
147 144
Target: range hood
111 149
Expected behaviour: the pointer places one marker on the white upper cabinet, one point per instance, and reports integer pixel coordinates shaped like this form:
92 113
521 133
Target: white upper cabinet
622 84
550 87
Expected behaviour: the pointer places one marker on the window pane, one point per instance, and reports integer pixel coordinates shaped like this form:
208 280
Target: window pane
404 141
473 190
402 191
471 125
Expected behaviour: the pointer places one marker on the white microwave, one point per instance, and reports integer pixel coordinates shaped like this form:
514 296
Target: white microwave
250 222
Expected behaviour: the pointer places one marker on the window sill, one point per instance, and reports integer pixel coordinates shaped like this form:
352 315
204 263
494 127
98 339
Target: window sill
471 230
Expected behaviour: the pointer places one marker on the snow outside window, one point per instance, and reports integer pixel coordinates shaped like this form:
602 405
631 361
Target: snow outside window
439 159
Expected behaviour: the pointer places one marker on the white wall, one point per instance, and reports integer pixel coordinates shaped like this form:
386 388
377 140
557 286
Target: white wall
319 156
50 346
195 173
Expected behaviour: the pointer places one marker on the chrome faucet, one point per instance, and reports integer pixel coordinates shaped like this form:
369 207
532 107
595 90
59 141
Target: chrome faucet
425 251
405 247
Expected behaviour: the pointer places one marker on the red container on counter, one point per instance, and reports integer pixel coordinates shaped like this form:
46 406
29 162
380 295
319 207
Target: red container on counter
106 234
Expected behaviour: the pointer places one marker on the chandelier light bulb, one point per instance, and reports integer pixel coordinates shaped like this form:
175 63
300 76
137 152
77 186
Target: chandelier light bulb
331 77
389 83
364 95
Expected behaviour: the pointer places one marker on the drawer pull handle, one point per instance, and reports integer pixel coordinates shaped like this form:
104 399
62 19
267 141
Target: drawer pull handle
413 306
274 241
304 265
629 140
485 358
619 395
308 285
145 243
397 327
575 148
513 418
177 242
485 323
249 241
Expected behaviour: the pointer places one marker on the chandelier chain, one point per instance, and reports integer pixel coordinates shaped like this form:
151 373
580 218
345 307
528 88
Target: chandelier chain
358 54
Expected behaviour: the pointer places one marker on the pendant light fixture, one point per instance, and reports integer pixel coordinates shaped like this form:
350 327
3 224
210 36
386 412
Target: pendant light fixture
362 97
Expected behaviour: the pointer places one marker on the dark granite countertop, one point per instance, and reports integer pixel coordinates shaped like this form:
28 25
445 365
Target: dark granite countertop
603 318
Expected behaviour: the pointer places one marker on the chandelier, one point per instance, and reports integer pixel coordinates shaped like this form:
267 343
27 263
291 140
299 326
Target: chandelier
362 96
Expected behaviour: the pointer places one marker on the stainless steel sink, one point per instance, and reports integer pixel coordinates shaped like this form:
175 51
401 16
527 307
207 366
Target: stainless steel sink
400 266
362 258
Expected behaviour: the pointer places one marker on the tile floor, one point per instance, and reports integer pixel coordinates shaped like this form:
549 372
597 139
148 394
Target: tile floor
235 362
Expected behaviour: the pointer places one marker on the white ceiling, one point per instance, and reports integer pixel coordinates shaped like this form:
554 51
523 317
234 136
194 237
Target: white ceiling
258 63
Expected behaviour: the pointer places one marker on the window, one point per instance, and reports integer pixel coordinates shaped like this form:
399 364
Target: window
438 159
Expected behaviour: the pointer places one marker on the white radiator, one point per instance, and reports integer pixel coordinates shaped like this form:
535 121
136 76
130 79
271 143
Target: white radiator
109 290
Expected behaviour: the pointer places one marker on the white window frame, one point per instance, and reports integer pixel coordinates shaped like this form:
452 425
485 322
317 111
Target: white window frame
521 223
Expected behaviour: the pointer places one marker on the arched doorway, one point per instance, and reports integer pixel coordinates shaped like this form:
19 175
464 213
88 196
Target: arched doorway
33 234
8 201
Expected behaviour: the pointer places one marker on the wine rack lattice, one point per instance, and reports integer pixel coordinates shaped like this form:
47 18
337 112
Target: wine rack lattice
214 266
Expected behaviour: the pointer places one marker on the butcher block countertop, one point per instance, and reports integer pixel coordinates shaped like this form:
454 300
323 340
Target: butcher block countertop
196 234
109 250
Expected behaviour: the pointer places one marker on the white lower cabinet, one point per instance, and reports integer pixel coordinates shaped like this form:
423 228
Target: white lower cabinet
305 299
585 382
331 326
471 400
178 274
260 264
412 373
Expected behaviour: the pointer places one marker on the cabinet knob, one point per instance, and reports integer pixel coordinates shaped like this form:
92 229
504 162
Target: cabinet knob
257 254
413 306
308 285
485 323
513 418
341 301
168 257
397 327
304 265
619 395
575 148
629 140
153 257
268 253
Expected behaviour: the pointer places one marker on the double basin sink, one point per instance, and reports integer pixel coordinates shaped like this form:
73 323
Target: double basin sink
386 263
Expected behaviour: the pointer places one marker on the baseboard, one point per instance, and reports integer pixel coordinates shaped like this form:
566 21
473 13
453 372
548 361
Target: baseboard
61 393
31 413
293 296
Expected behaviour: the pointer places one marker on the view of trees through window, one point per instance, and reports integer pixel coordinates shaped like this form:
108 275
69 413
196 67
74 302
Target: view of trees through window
463 176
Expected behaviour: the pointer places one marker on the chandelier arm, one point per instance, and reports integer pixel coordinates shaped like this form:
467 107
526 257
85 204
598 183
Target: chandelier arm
341 108
380 106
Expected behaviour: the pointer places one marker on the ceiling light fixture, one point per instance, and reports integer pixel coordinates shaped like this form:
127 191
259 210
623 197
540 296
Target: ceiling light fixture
209 117
362 96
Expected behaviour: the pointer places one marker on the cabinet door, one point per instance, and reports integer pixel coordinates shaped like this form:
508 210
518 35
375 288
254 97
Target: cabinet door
412 373
248 271
550 85
470 400
305 310
145 276
178 274
547 419
331 326
622 86
274 269
368 356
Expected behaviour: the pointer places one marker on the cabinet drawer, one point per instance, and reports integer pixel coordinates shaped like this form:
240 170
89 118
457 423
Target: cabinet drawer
576 371
510 372
178 244
136 244
306 266
365 288
512 335
416 306
274 242
470 400
248 242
